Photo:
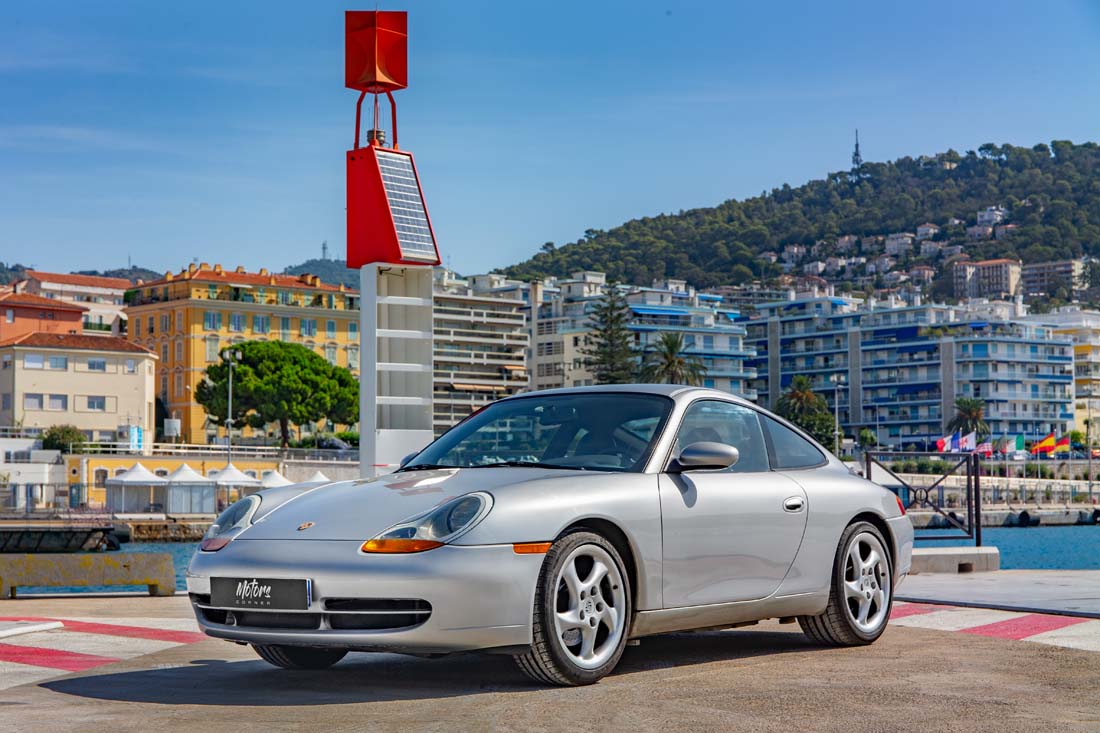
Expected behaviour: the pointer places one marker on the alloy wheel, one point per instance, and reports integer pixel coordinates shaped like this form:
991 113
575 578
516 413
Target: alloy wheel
866 582
589 609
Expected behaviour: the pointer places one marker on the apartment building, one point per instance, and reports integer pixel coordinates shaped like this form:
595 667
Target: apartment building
1083 327
23 313
186 318
100 384
101 296
1043 278
897 368
479 348
999 278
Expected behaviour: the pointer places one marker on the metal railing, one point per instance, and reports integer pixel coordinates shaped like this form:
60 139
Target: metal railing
260 452
921 497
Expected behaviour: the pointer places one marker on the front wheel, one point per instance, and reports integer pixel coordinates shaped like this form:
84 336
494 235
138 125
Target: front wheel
299 657
581 614
861 593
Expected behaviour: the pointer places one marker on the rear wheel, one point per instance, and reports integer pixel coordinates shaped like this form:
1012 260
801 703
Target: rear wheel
861 594
581 614
299 657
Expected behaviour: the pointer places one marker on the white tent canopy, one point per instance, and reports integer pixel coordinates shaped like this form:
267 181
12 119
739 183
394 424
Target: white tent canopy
273 479
137 475
136 490
189 492
233 476
317 478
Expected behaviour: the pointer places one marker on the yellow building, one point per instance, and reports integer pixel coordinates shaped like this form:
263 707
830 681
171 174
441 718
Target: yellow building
1084 327
187 317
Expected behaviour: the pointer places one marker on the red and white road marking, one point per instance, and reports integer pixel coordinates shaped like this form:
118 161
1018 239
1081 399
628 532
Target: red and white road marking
1043 628
85 643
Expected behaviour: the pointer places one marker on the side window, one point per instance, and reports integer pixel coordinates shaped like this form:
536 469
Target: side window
724 422
791 449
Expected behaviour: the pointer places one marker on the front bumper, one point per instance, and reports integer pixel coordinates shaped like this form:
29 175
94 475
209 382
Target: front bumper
902 530
481 596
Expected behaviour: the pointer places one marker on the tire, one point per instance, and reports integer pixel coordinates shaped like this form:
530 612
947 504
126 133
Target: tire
581 618
861 594
299 657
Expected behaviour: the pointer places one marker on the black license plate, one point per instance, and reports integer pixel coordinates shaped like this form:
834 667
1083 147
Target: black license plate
270 594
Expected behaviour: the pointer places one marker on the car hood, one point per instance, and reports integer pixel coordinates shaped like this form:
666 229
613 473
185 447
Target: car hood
363 508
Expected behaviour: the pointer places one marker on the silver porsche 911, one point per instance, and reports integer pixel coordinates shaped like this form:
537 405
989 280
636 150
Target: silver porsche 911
554 527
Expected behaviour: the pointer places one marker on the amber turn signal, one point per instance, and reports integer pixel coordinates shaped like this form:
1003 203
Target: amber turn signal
900 505
399 546
531 548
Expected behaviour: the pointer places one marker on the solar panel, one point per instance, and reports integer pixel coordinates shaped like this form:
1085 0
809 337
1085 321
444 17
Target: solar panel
414 236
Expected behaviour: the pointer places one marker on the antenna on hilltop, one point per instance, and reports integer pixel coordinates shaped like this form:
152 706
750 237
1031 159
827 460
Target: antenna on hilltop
324 250
857 159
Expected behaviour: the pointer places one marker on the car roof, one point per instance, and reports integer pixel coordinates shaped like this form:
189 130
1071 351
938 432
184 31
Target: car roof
675 391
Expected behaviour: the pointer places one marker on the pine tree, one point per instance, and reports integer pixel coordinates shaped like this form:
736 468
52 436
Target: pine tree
611 356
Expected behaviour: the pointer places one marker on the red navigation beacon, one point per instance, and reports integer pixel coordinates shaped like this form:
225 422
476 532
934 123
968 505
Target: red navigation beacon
387 218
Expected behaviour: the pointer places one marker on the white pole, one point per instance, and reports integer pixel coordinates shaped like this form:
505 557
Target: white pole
368 370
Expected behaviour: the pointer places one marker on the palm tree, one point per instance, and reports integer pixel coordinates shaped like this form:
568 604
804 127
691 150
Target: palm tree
667 364
800 399
969 418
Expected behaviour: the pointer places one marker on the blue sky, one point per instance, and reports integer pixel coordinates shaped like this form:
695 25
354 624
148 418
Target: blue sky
172 131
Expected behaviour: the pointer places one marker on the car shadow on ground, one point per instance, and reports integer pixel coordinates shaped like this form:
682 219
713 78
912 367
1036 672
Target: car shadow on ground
363 678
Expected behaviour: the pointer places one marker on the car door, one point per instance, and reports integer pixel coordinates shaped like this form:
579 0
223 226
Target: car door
728 535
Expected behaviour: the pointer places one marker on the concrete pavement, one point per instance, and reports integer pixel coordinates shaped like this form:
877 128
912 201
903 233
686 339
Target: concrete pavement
1070 592
767 678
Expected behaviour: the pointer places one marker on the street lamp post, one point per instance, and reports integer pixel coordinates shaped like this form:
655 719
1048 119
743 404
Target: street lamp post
232 358
838 380
1088 441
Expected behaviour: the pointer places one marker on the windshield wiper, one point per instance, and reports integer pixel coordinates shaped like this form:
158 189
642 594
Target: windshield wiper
529 464
424 467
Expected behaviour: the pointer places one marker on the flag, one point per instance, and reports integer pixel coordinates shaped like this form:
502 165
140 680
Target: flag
1062 446
943 444
1011 444
1046 445
968 442
956 443
985 448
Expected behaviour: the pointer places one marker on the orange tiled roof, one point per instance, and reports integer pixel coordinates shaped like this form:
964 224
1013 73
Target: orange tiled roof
37 301
205 273
75 341
88 281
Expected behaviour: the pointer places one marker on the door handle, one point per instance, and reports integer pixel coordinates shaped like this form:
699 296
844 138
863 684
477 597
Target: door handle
793 504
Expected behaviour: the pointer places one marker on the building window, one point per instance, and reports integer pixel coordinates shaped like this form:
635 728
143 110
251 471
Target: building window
212 321
330 354
261 324
5 401
353 330
284 327
211 348
165 323
285 298
32 401
5 361
33 361
137 328
97 403
150 324
97 365
164 387
179 320
131 366
9 315
212 292
164 351
307 327
330 329
179 385
57 402
60 363
353 357
179 350
236 322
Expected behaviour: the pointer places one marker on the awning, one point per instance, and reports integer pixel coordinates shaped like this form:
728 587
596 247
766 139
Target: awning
187 476
650 310
475 388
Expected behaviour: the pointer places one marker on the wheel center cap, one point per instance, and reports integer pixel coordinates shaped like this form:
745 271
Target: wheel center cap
589 606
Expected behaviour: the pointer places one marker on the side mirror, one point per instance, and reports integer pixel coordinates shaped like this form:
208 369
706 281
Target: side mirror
705 456
406 459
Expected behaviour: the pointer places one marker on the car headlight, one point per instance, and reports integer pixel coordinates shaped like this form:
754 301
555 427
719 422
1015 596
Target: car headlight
230 523
433 528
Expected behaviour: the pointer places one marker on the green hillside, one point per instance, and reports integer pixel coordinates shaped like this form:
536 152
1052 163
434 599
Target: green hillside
330 271
1052 193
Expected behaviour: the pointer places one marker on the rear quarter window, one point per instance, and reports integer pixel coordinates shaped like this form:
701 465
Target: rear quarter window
789 449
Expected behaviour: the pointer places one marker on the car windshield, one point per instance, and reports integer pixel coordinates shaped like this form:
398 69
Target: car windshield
599 431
